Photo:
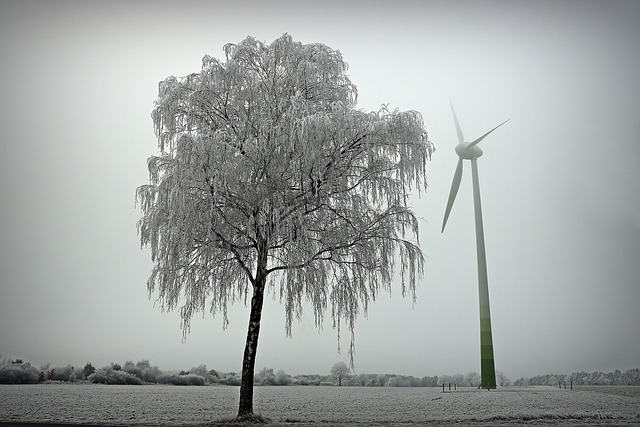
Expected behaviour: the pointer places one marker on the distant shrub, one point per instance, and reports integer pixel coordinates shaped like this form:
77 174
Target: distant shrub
131 368
193 379
403 381
429 381
142 369
282 378
309 379
188 379
300 380
19 374
305 380
61 373
111 376
199 370
150 374
87 370
212 377
163 378
230 378
265 377
133 371
143 364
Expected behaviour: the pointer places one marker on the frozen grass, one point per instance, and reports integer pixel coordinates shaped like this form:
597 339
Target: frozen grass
312 406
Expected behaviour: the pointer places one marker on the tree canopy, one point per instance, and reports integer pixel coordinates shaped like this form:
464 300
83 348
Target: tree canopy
340 370
268 177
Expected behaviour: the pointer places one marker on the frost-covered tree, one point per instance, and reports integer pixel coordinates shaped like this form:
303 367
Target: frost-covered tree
502 379
269 178
88 370
340 371
265 377
472 379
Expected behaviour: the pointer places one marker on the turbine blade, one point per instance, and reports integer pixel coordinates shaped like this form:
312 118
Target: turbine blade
457 177
477 141
455 118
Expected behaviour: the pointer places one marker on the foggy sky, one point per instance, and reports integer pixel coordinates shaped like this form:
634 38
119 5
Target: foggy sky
559 182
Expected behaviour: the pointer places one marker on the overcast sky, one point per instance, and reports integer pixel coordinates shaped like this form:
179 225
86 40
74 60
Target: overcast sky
560 182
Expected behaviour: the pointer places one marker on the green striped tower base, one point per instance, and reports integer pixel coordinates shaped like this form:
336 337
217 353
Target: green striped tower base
487 364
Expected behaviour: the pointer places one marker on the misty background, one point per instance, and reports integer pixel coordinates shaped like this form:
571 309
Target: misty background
559 182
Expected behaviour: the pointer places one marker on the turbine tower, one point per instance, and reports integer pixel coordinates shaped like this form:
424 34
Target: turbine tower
471 151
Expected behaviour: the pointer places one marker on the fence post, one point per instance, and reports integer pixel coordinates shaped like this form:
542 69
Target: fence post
571 384
443 387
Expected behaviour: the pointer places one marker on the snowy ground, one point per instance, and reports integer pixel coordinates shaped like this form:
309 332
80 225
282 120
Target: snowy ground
313 406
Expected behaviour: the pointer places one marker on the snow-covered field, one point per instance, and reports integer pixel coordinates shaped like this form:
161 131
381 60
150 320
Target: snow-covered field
303 406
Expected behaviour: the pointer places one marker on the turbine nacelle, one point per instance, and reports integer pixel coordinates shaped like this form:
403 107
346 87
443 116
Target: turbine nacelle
468 153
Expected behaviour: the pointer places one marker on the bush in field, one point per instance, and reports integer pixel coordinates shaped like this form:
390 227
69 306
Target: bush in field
187 379
199 370
309 379
399 381
210 376
87 370
63 373
502 379
191 379
304 380
521 382
132 369
150 374
429 381
282 378
213 377
111 376
19 374
265 377
230 378
142 369
473 379
164 378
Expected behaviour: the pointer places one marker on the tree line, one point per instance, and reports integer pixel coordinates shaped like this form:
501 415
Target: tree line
142 372
617 377
130 373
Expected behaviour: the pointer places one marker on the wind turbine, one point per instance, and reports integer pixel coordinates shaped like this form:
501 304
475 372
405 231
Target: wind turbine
471 151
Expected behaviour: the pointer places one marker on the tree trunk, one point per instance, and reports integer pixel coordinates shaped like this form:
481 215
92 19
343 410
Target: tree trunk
245 408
